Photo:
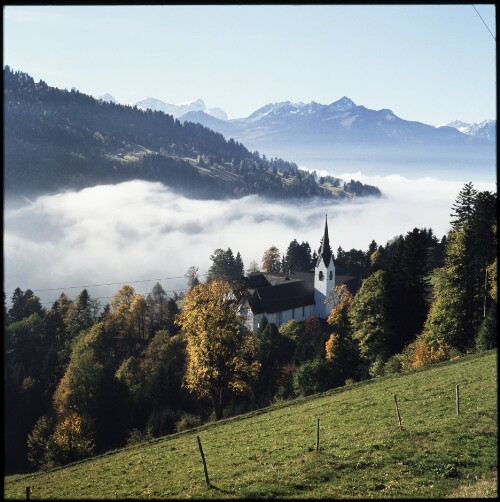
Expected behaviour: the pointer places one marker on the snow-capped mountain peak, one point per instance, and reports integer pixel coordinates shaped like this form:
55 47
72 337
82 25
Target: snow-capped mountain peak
287 108
179 109
487 129
107 98
343 103
195 104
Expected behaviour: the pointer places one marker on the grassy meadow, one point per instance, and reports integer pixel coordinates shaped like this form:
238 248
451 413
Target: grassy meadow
271 453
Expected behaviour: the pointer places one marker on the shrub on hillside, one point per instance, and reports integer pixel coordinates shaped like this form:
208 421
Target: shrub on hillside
188 422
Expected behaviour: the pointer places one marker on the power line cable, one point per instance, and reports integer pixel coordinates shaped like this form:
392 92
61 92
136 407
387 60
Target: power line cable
107 284
108 297
484 22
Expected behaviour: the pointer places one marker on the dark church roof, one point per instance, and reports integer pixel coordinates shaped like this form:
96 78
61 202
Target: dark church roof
270 293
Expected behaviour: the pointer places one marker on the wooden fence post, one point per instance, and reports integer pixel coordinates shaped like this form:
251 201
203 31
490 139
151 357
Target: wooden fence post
203 460
397 411
457 400
317 436
27 493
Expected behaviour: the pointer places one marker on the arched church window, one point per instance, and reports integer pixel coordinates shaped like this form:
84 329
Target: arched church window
320 275
331 275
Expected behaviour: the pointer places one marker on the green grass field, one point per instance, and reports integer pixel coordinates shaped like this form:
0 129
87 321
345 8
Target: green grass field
271 453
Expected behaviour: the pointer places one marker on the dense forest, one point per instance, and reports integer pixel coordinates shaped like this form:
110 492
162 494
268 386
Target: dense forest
81 378
58 139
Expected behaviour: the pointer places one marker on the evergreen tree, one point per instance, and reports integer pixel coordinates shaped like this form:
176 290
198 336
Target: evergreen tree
81 314
487 337
157 309
273 350
23 305
225 266
298 257
368 315
408 264
463 207
460 295
239 270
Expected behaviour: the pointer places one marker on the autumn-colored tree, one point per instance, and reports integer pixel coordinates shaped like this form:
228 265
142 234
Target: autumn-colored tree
127 321
73 439
341 299
341 350
492 277
271 261
90 389
220 352
424 351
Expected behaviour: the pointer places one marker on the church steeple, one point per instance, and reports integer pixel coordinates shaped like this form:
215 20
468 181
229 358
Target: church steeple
324 276
325 252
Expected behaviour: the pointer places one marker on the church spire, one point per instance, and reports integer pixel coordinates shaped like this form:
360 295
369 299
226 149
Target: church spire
325 252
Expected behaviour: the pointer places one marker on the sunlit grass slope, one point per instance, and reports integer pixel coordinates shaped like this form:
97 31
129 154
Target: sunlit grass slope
271 453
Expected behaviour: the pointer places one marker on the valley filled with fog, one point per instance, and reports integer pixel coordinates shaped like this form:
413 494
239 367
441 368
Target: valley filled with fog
141 233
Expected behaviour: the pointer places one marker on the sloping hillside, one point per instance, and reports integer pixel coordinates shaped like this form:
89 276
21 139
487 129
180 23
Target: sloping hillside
57 139
271 453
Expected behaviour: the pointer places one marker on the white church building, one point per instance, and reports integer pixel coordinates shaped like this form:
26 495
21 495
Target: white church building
296 295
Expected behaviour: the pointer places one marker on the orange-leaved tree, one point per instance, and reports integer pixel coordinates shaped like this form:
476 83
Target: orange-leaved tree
220 351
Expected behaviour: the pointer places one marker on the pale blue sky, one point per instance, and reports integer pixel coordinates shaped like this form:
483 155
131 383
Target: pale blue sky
430 63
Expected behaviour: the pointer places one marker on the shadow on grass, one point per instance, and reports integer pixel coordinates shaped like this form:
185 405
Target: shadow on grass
218 489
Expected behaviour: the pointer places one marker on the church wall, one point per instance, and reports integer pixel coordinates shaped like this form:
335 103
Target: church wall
280 318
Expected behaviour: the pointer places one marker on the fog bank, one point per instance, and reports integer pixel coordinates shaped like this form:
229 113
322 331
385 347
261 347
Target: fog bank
137 231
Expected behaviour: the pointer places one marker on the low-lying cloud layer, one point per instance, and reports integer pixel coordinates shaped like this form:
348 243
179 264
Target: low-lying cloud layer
136 231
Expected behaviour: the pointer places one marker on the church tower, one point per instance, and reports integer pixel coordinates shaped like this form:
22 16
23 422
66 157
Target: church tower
324 276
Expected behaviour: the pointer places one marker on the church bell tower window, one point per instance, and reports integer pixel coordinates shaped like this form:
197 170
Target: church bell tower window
320 275
331 275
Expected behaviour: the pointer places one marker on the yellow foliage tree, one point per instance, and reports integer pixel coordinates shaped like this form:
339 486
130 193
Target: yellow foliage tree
341 298
492 276
128 318
220 351
424 351
331 346
72 439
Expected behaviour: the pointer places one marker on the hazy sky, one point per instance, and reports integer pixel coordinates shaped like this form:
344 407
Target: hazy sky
429 63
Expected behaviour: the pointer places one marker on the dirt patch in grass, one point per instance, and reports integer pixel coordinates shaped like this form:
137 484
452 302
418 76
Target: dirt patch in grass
483 488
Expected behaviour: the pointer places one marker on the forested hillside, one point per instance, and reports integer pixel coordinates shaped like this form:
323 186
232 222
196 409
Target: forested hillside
57 139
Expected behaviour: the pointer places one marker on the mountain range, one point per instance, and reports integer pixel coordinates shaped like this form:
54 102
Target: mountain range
342 131
188 111
487 129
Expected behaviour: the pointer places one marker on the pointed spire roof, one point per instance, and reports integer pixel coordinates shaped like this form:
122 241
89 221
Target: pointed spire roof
325 251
